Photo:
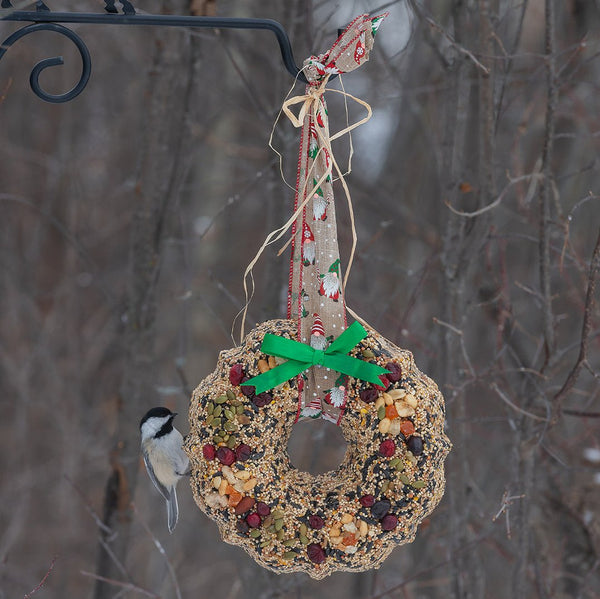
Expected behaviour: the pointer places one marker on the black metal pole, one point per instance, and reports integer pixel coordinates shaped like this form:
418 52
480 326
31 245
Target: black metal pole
43 19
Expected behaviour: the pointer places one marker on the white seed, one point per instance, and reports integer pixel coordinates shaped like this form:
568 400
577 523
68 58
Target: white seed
229 475
388 399
215 501
217 482
411 400
404 410
395 427
384 425
350 527
250 484
396 393
347 518
379 402
243 474
223 487
363 528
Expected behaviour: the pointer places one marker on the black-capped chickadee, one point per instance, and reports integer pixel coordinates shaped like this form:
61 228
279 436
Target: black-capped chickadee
164 457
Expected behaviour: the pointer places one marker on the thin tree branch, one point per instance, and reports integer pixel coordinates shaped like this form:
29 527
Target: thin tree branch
161 550
546 185
585 333
458 46
43 581
129 586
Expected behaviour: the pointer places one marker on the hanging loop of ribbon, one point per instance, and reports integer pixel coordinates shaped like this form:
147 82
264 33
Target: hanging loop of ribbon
301 357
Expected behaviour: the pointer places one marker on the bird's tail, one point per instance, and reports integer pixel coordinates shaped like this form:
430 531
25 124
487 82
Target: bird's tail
172 509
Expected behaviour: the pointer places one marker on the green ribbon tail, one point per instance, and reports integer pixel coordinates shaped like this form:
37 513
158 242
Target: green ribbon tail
348 339
355 367
276 376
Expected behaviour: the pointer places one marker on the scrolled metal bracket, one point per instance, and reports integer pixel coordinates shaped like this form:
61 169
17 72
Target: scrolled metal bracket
45 19
52 62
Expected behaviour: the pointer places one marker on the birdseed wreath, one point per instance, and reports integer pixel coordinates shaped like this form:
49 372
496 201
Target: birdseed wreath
315 365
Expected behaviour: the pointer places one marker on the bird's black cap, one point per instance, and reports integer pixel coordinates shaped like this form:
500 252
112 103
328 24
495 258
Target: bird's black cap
156 413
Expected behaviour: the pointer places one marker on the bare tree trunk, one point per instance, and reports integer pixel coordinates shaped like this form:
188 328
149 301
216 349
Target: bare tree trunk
159 177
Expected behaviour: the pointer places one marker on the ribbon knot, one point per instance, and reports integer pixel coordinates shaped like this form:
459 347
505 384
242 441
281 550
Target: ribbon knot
310 102
301 357
318 357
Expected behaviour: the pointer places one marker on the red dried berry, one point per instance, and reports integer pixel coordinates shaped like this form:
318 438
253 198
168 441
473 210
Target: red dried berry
316 553
236 374
263 509
389 522
226 456
316 522
242 452
253 520
367 500
262 399
248 390
209 452
369 395
385 383
395 372
387 448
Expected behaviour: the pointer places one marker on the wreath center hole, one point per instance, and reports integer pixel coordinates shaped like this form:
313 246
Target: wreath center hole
316 446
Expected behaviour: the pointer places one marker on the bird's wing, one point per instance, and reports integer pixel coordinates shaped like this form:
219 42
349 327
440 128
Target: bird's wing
166 493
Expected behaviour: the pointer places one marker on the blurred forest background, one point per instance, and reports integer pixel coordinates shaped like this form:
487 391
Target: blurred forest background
129 215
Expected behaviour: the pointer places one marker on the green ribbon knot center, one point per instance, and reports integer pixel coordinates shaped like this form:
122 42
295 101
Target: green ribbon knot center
318 357
301 357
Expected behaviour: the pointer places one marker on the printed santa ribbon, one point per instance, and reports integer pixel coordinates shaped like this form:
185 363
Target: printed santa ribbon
316 284
300 357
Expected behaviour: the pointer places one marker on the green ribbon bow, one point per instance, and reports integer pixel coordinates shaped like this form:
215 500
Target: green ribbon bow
301 356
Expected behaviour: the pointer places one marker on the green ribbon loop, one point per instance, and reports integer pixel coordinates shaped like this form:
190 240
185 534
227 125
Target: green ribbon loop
301 356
